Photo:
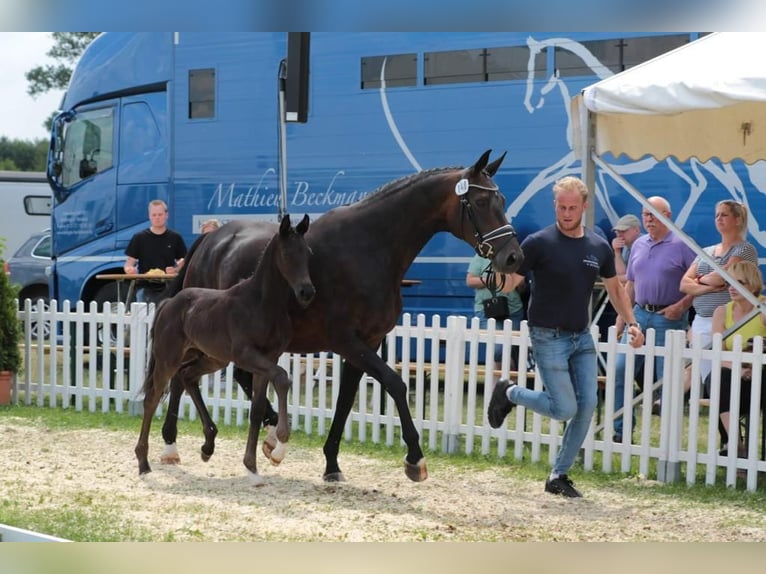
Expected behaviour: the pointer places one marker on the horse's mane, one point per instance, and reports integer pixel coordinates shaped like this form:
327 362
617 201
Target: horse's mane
406 181
266 255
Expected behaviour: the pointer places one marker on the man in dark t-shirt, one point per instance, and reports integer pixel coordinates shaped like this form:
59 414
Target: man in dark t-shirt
564 259
155 248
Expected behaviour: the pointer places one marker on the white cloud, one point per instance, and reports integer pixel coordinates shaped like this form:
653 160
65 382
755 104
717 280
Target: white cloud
21 116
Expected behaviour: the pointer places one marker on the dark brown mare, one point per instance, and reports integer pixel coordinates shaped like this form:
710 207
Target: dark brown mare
200 331
360 255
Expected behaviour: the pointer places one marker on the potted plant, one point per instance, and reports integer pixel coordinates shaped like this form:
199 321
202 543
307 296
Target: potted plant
10 330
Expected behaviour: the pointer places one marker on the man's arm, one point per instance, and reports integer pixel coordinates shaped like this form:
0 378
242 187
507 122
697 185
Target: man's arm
622 302
130 266
618 244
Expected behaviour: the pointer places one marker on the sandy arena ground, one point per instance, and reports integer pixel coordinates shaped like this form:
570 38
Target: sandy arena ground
214 501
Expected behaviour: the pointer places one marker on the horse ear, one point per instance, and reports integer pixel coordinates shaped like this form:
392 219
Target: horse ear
303 226
284 225
492 168
481 163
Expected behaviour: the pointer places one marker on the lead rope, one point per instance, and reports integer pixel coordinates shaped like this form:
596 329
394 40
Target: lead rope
489 280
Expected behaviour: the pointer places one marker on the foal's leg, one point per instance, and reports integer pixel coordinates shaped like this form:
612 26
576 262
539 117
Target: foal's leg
269 418
170 427
154 387
189 375
264 370
257 403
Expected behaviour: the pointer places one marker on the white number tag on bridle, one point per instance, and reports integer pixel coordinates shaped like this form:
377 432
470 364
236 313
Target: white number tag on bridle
461 188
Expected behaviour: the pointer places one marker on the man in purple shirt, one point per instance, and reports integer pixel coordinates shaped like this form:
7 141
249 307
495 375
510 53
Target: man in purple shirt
658 261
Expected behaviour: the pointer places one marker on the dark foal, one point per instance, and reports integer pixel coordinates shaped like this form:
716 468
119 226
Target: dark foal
200 331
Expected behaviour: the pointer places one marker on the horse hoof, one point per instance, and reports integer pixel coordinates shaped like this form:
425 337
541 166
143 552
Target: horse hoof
334 477
256 479
416 472
170 455
270 442
205 457
278 454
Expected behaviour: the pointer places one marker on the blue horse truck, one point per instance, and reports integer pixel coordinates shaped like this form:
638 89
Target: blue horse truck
194 119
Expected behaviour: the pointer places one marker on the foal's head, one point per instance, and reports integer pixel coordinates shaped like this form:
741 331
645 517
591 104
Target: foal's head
292 258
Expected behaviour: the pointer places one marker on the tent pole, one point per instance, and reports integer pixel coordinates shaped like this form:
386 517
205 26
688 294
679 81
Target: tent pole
588 145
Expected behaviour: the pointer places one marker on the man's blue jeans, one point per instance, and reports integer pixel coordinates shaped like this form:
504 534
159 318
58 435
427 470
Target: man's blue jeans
647 321
567 363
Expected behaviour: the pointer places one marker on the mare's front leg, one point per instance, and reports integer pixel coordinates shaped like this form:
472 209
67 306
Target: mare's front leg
367 360
349 385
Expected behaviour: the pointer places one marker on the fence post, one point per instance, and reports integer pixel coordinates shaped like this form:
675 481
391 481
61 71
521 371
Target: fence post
669 463
453 381
139 341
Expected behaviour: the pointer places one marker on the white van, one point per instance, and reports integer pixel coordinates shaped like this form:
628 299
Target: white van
25 208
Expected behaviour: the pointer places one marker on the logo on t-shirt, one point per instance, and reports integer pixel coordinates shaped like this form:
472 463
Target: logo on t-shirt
591 261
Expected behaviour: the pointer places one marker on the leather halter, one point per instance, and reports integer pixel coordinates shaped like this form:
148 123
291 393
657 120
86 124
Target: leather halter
483 246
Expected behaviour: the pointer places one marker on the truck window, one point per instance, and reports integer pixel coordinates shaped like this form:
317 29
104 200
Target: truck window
87 145
202 93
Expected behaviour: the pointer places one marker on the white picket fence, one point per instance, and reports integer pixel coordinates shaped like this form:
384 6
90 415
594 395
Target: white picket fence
450 375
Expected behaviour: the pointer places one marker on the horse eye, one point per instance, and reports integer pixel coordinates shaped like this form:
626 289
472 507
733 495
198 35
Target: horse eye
482 202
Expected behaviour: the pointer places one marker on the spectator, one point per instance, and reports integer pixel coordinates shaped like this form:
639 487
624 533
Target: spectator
726 316
705 284
627 230
657 262
154 248
209 225
476 279
565 259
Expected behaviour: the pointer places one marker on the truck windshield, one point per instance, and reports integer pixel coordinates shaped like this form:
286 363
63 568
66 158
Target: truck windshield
85 146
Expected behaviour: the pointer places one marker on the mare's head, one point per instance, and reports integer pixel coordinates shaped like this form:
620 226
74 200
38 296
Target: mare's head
292 258
483 222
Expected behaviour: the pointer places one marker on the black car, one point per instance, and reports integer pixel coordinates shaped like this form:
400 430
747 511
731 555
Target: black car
28 268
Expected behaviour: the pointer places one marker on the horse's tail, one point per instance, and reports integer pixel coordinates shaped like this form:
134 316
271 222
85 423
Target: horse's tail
149 378
149 381
177 283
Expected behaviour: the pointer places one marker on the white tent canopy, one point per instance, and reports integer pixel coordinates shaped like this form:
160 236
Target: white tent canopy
705 99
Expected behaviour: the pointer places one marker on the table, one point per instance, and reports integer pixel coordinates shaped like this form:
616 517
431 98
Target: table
120 277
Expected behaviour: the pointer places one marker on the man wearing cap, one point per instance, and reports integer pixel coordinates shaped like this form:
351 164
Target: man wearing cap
628 229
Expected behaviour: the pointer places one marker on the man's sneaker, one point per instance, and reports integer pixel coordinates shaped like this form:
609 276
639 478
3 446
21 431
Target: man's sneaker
499 405
563 486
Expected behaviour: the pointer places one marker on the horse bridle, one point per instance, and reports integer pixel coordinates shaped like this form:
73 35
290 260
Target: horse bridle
483 246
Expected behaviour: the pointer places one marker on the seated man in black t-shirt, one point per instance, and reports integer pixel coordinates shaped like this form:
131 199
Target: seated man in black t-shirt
155 248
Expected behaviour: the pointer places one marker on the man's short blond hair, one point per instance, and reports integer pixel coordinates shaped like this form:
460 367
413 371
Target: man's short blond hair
570 183
160 203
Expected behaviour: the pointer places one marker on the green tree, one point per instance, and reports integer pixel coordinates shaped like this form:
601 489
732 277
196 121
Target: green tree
21 155
66 50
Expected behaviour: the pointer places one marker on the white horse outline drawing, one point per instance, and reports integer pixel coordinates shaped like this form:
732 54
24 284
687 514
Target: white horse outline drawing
569 165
